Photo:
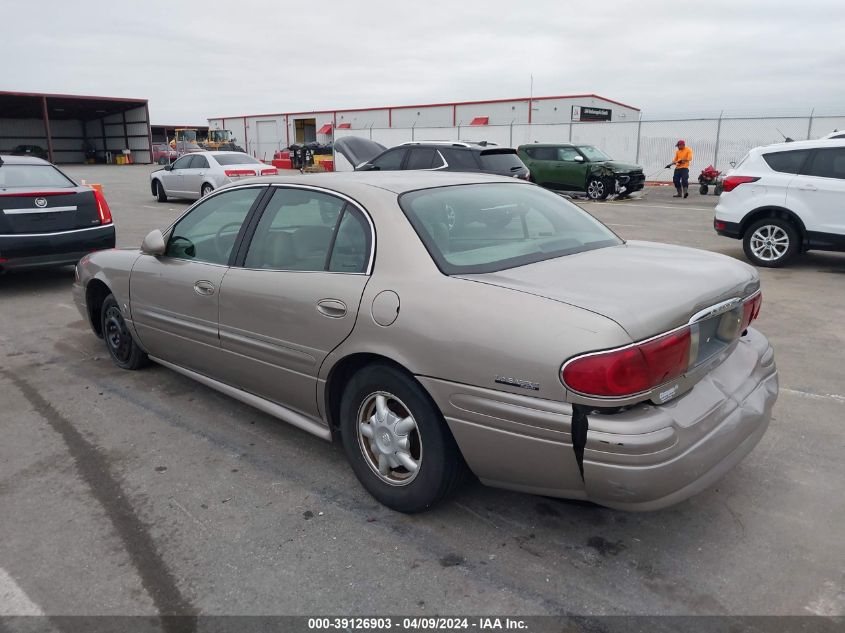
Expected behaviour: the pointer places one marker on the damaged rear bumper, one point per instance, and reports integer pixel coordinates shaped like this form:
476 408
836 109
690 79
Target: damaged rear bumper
645 458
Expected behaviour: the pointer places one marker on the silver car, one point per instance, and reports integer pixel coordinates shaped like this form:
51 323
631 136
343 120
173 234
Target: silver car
197 174
545 355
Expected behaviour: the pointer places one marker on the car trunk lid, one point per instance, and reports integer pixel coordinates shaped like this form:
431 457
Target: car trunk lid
647 288
47 210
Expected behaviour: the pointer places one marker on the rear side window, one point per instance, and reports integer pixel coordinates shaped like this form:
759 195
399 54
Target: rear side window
199 162
787 162
827 163
543 153
420 158
459 159
497 160
15 176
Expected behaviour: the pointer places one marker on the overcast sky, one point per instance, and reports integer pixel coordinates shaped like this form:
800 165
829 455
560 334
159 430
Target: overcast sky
195 60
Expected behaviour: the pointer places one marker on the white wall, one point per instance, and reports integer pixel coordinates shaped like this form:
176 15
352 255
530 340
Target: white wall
364 119
428 117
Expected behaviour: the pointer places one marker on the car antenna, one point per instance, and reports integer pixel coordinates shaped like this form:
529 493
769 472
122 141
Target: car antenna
786 139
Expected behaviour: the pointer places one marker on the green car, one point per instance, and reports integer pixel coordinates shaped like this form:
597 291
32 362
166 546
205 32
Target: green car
586 168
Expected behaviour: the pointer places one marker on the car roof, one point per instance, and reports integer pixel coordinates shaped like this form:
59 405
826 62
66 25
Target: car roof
23 160
551 145
811 144
400 181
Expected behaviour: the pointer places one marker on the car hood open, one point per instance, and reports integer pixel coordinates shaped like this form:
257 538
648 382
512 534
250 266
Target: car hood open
357 149
647 288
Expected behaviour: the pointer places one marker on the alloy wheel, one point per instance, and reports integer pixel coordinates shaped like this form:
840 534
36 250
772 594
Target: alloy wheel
769 242
595 189
389 438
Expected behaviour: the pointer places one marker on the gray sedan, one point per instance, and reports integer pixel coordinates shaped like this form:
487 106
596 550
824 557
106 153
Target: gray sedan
544 355
197 174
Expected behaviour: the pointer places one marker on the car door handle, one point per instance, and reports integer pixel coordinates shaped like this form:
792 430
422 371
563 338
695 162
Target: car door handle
332 308
808 187
204 288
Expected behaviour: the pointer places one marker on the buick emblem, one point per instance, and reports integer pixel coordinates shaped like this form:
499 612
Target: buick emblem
41 202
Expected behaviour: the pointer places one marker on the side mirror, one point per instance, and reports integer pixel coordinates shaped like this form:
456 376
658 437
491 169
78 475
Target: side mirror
153 244
168 167
578 159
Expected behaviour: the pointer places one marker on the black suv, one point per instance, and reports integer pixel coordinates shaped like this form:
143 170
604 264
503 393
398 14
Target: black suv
450 156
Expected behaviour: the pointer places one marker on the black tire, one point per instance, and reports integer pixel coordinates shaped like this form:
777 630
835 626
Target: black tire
703 189
597 189
160 194
441 467
784 242
205 190
717 190
123 349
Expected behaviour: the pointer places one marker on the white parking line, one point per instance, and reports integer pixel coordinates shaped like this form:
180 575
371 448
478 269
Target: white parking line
814 396
13 599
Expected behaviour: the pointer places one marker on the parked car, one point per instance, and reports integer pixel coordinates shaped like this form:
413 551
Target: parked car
197 174
568 167
636 382
785 199
30 150
163 153
46 219
836 134
466 156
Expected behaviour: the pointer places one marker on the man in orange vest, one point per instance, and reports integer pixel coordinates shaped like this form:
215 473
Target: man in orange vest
683 158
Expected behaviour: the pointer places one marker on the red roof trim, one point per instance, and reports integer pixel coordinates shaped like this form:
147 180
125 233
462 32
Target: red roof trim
434 105
480 120
326 129
344 126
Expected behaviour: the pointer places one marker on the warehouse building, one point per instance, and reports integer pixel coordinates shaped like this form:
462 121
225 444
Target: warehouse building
263 134
75 128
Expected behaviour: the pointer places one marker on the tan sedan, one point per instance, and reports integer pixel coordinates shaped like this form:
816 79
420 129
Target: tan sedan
544 354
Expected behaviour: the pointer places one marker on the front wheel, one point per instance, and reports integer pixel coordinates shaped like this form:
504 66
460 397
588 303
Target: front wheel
397 441
703 189
597 189
123 349
161 195
770 242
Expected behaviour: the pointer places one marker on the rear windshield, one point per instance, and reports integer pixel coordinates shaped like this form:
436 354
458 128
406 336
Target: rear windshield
20 176
488 227
500 160
236 159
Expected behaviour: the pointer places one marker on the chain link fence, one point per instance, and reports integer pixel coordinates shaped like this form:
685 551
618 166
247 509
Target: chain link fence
650 143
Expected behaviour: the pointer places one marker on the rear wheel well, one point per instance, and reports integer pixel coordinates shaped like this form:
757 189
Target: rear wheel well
775 212
340 375
95 293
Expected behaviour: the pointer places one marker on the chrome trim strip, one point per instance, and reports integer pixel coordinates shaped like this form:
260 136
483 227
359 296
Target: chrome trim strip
89 228
37 210
719 308
271 408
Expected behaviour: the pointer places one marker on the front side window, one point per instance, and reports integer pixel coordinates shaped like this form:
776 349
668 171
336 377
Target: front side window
183 163
390 160
786 162
568 154
209 231
827 163
307 230
488 227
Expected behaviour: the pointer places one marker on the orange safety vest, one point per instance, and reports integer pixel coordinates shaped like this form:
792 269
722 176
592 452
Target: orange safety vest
683 157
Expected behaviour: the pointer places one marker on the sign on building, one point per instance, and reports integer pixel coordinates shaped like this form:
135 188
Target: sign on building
589 113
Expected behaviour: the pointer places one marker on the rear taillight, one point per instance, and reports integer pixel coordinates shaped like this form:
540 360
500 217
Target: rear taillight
270 171
751 310
719 225
732 182
102 207
640 367
240 172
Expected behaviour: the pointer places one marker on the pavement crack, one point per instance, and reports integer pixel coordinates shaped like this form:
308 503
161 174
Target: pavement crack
93 467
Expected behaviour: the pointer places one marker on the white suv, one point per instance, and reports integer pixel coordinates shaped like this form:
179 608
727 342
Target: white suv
785 199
